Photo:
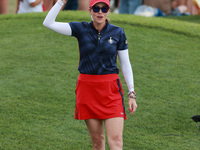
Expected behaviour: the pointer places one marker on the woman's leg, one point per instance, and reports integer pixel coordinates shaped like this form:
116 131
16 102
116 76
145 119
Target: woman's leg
96 131
114 129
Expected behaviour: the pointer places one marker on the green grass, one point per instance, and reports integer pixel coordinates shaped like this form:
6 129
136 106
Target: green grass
38 73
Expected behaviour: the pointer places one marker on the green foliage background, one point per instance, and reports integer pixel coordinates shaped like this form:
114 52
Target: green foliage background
38 73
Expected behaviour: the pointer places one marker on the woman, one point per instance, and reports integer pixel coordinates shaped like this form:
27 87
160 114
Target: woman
99 94
28 6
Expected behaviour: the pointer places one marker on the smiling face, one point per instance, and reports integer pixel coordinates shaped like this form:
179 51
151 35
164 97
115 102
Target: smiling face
99 16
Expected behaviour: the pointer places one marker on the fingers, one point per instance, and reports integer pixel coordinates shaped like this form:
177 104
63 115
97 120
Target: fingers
132 106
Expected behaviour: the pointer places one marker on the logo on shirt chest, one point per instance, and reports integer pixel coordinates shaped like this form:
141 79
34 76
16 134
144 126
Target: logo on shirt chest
110 40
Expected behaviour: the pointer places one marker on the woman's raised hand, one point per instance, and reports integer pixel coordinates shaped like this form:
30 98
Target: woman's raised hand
64 1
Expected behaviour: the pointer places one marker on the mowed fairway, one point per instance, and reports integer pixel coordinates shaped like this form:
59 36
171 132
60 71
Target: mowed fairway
38 73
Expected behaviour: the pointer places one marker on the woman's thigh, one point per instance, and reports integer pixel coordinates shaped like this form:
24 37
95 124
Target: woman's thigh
95 127
114 127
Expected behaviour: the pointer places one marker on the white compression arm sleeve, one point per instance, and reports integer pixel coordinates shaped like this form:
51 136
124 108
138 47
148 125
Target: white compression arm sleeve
59 27
126 68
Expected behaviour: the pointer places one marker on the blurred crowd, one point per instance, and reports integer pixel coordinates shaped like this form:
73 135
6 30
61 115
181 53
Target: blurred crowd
146 8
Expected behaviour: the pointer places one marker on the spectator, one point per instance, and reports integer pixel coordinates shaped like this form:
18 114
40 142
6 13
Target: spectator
178 7
115 6
129 6
83 4
3 6
152 8
163 5
194 10
28 6
49 4
71 5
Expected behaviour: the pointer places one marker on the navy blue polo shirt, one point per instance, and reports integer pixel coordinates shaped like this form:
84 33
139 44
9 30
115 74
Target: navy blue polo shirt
98 51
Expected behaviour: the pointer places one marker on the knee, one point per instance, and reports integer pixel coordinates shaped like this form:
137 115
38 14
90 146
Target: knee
98 141
116 141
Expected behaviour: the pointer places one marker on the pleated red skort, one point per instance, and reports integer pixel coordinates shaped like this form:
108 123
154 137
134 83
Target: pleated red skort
99 97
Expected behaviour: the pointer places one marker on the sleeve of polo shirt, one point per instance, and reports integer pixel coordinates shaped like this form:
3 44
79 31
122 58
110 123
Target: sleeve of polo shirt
75 28
122 45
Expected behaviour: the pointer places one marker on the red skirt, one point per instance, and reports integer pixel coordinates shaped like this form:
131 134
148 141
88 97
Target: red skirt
99 97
